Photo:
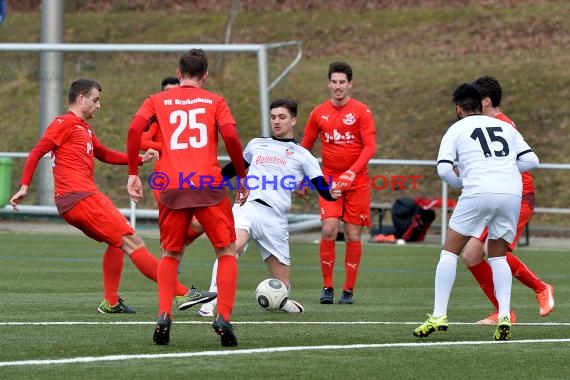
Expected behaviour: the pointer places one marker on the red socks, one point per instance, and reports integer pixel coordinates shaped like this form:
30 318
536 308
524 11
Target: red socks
525 275
351 263
113 260
327 254
167 275
227 285
484 276
147 264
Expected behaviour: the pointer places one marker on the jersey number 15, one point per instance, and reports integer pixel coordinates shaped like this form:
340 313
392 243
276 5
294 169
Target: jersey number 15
478 135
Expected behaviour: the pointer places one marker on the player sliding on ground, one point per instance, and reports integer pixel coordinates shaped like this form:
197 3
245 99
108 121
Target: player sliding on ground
278 163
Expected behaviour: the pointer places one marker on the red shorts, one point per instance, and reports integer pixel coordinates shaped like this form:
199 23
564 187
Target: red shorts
526 214
352 207
97 217
217 222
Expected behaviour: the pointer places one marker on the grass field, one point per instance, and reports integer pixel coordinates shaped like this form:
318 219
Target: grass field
49 327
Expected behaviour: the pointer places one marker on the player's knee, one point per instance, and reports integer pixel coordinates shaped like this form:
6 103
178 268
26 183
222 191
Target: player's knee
468 260
177 255
329 233
229 250
241 247
471 258
351 237
131 243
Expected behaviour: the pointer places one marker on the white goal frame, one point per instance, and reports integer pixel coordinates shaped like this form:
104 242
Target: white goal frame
50 86
259 49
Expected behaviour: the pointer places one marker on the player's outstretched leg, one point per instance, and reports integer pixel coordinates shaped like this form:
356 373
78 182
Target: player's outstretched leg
292 306
207 309
193 297
545 300
493 318
119 307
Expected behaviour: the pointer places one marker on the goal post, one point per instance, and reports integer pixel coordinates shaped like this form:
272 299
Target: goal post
52 87
259 49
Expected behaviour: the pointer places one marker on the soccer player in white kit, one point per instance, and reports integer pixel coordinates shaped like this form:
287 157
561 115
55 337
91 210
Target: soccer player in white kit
491 154
277 166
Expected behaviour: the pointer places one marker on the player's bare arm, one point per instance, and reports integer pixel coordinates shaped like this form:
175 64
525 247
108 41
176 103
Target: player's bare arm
135 187
242 192
134 183
335 191
19 195
150 155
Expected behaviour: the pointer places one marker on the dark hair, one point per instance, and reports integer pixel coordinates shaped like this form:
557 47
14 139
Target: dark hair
340 67
489 87
467 97
289 104
169 81
193 63
81 86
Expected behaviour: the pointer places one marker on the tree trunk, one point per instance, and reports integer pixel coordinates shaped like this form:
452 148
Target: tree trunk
232 16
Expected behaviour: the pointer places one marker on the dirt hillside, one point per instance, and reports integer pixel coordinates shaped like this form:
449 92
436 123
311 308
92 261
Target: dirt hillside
254 5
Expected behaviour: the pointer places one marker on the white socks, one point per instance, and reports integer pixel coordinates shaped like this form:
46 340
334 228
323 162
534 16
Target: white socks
444 278
213 284
503 281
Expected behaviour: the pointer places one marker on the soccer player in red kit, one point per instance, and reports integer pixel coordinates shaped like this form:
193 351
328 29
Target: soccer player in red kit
473 256
152 139
348 141
74 147
190 118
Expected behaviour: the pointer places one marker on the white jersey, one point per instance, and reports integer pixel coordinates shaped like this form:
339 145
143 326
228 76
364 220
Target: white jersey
276 167
487 150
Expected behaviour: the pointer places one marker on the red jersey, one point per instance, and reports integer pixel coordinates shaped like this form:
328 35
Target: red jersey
73 147
527 179
344 131
189 119
152 139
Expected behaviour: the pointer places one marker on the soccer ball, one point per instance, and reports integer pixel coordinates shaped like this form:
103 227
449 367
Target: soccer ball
271 294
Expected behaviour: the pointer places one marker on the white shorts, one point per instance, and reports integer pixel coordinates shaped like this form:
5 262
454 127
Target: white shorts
266 227
500 212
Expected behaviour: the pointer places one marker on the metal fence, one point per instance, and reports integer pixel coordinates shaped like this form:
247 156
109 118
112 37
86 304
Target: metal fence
300 222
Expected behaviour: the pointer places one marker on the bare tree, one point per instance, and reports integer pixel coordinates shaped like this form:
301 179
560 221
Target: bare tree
228 29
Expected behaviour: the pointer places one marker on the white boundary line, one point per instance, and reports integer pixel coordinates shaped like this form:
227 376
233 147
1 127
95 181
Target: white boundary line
109 358
77 323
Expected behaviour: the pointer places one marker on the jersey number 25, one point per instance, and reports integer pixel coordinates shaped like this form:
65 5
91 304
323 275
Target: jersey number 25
183 120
